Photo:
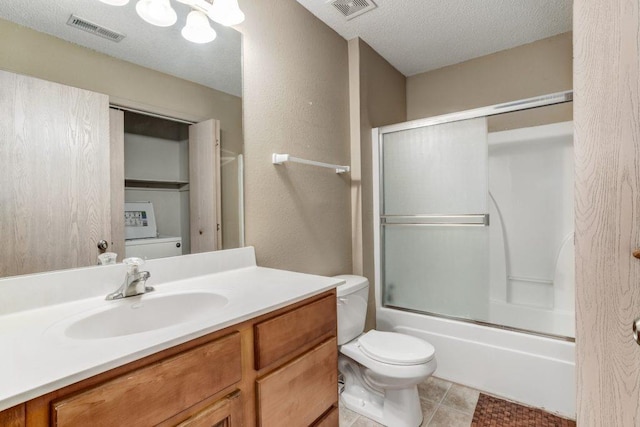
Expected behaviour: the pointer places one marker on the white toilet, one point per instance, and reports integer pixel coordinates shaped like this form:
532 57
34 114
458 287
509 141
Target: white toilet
381 369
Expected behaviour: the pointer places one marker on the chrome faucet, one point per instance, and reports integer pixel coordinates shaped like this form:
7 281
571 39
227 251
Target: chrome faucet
134 282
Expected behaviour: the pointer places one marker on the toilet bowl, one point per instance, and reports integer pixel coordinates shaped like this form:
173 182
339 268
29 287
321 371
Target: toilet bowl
381 370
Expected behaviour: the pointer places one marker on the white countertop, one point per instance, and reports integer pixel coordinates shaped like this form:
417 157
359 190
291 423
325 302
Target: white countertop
37 357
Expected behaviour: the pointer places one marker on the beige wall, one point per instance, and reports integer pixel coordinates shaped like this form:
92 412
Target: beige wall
25 51
607 152
381 101
534 69
295 101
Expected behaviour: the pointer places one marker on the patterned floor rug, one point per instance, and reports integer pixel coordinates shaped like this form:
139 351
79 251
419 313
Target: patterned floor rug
494 412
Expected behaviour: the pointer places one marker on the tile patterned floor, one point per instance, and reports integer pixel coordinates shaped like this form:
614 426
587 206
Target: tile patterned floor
443 404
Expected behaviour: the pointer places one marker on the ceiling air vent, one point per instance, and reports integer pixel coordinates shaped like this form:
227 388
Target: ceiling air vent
98 30
352 8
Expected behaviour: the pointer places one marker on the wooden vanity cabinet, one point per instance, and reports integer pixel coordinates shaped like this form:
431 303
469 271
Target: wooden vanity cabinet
150 395
279 369
296 355
226 412
13 417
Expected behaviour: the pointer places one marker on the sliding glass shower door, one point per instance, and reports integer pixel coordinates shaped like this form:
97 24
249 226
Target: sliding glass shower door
434 219
439 181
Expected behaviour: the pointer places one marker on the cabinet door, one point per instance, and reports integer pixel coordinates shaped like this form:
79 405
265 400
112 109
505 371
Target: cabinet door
301 391
156 392
13 417
54 175
226 412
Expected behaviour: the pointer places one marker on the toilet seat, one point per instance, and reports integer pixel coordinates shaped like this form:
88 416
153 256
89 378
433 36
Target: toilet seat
395 348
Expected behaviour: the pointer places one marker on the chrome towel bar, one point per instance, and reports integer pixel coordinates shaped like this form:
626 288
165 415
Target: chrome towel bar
279 159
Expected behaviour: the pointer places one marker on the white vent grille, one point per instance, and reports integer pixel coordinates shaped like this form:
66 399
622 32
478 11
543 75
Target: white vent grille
353 8
98 30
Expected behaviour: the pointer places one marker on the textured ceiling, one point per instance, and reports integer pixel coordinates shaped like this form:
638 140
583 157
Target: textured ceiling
421 35
216 64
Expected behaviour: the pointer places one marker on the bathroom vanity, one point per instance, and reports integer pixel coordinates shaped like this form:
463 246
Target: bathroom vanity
270 361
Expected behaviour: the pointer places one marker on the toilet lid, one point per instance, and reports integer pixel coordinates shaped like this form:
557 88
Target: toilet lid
395 348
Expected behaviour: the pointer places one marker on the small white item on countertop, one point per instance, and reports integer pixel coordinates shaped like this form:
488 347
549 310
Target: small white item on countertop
107 258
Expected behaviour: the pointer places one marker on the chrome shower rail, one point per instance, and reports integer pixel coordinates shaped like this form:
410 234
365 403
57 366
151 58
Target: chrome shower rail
508 107
480 219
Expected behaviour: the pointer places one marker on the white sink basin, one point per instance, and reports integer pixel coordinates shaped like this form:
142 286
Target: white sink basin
147 313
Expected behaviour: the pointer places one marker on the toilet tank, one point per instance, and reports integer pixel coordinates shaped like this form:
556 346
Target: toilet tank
352 307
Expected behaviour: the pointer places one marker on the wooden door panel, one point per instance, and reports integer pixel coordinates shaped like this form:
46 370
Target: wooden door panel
54 175
607 150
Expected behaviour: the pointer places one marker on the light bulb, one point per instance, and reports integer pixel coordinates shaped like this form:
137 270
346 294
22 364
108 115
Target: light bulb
157 12
115 2
197 29
226 12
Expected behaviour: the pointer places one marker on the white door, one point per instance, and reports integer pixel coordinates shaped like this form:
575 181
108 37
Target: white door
607 150
204 186
54 175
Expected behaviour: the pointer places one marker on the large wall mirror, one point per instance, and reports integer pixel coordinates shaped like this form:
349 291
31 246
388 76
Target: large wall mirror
115 130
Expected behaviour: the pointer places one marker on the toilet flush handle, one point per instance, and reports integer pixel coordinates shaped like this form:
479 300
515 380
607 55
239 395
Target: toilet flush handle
342 301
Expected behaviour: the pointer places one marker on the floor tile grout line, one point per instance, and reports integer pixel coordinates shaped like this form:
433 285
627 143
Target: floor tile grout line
449 409
445 394
439 403
432 415
456 409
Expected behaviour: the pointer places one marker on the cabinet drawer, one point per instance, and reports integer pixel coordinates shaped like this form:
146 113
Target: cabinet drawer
154 393
330 419
276 338
301 391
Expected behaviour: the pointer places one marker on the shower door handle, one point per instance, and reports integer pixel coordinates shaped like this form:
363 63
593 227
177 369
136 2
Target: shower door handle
636 327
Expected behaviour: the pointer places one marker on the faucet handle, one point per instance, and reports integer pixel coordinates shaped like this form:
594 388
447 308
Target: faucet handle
133 263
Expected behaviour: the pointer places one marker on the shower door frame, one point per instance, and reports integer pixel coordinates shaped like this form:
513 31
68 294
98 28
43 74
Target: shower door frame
378 196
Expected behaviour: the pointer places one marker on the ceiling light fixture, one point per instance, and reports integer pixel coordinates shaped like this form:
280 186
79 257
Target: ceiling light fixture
226 12
157 12
198 29
115 2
